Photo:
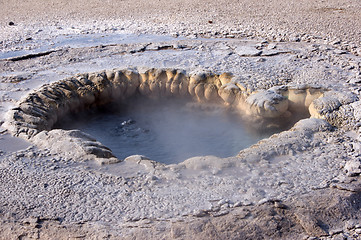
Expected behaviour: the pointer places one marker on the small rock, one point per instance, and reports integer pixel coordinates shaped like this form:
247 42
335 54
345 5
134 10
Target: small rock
199 213
336 231
264 41
280 205
355 80
340 237
220 213
358 51
247 51
237 204
339 52
262 201
272 46
20 155
247 203
11 23
259 46
261 60
54 167
350 224
136 158
353 167
295 39
179 46
223 202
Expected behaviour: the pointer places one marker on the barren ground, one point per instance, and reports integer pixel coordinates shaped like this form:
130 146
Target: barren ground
299 184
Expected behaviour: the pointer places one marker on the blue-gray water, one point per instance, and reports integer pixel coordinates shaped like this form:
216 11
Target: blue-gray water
168 131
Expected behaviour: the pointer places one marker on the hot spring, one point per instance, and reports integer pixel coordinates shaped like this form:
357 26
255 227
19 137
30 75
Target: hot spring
166 115
168 130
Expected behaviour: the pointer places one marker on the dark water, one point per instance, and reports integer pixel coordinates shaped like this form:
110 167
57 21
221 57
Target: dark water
168 131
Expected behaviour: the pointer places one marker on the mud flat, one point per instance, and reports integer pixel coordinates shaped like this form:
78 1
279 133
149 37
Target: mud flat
300 183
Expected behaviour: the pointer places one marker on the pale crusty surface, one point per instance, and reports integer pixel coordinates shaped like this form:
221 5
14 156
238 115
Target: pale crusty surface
300 184
333 18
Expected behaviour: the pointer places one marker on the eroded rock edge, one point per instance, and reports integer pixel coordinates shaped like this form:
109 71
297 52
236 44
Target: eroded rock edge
36 114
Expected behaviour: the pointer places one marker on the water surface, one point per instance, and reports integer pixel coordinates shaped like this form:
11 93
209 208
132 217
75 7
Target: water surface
167 131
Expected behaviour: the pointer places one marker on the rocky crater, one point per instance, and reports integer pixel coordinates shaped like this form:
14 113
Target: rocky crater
300 183
36 113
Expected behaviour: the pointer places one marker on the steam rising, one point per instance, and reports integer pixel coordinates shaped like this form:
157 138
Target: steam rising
168 130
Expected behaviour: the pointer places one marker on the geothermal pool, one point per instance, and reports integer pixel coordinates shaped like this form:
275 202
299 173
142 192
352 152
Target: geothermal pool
168 131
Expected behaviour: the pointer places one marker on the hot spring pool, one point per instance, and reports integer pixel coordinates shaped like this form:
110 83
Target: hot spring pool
167 131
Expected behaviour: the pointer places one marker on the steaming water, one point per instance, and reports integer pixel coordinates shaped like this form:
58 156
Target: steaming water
168 131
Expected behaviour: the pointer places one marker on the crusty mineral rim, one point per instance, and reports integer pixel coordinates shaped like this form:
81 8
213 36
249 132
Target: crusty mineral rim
41 109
